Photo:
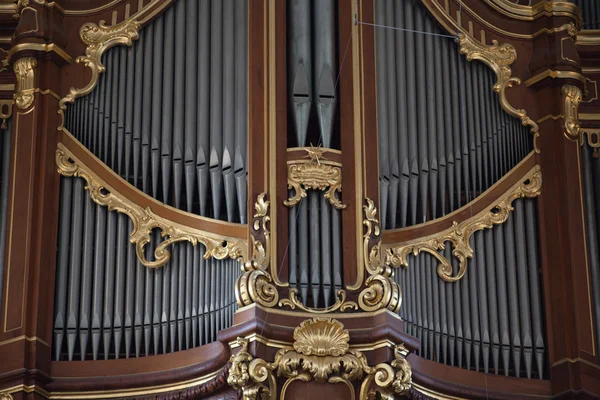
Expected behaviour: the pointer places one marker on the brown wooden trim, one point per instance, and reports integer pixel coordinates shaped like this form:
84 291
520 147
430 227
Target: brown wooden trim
138 372
474 385
143 200
481 203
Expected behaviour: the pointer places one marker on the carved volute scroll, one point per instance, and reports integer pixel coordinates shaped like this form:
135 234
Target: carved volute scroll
25 71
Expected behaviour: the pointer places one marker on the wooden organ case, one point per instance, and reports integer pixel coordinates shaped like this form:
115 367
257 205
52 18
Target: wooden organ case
293 199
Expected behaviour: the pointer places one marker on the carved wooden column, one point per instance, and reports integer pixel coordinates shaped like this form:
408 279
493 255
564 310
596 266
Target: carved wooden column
556 76
28 295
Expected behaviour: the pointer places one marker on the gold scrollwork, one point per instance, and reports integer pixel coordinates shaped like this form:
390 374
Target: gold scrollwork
144 220
380 291
6 396
571 96
460 233
256 284
321 353
99 38
341 304
316 174
24 70
499 57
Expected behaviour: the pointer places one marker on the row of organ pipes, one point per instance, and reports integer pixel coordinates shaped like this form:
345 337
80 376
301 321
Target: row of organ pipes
315 248
443 140
172 121
590 11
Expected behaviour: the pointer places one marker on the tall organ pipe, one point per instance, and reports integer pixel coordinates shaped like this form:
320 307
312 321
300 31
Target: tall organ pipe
155 120
473 338
590 10
5 136
315 254
448 140
169 115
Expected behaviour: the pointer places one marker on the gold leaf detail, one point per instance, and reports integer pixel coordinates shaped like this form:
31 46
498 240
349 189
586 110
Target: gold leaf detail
293 301
24 70
498 57
571 96
144 220
460 233
315 174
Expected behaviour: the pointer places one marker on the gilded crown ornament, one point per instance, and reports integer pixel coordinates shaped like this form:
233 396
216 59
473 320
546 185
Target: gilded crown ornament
321 352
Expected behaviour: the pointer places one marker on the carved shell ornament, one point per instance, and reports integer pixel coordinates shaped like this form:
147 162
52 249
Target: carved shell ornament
321 353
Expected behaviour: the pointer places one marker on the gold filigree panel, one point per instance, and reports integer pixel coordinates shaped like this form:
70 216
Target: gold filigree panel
145 220
460 233
320 353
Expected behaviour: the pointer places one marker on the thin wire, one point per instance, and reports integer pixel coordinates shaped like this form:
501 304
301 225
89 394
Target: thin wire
404 29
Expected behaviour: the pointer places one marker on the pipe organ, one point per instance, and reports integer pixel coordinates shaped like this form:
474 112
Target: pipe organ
299 199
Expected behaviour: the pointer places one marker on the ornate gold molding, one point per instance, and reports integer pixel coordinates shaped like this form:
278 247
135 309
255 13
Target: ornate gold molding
98 39
6 396
380 291
460 233
256 284
144 220
24 70
317 174
499 57
341 304
571 97
321 353
530 13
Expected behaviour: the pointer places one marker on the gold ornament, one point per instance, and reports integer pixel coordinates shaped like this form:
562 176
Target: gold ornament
24 70
321 353
293 301
460 233
317 174
498 57
144 220
571 96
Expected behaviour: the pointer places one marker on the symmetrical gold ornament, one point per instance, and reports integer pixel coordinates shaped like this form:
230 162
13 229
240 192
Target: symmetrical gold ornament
380 291
571 96
293 301
144 220
499 57
316 173
321 353
460 233
256 284
24 70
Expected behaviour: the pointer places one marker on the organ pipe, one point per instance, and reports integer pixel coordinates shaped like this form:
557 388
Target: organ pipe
315 226
171 120
590 10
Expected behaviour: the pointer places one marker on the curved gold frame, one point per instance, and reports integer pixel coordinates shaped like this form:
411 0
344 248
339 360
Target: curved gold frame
531 13
99 38
460 233
145 219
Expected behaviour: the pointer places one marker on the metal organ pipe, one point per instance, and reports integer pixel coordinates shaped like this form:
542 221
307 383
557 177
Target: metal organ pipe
164 114
443 140
315 226
590 10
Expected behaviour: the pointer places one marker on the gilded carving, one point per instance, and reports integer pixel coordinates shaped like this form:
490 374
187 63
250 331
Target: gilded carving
499 57
256 284
24 70
321 353
6 396
99 38
571 96
460 233
380 291
293 301
315 174
593 139
144 220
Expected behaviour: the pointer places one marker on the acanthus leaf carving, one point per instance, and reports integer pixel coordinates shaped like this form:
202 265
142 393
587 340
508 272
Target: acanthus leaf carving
144 220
